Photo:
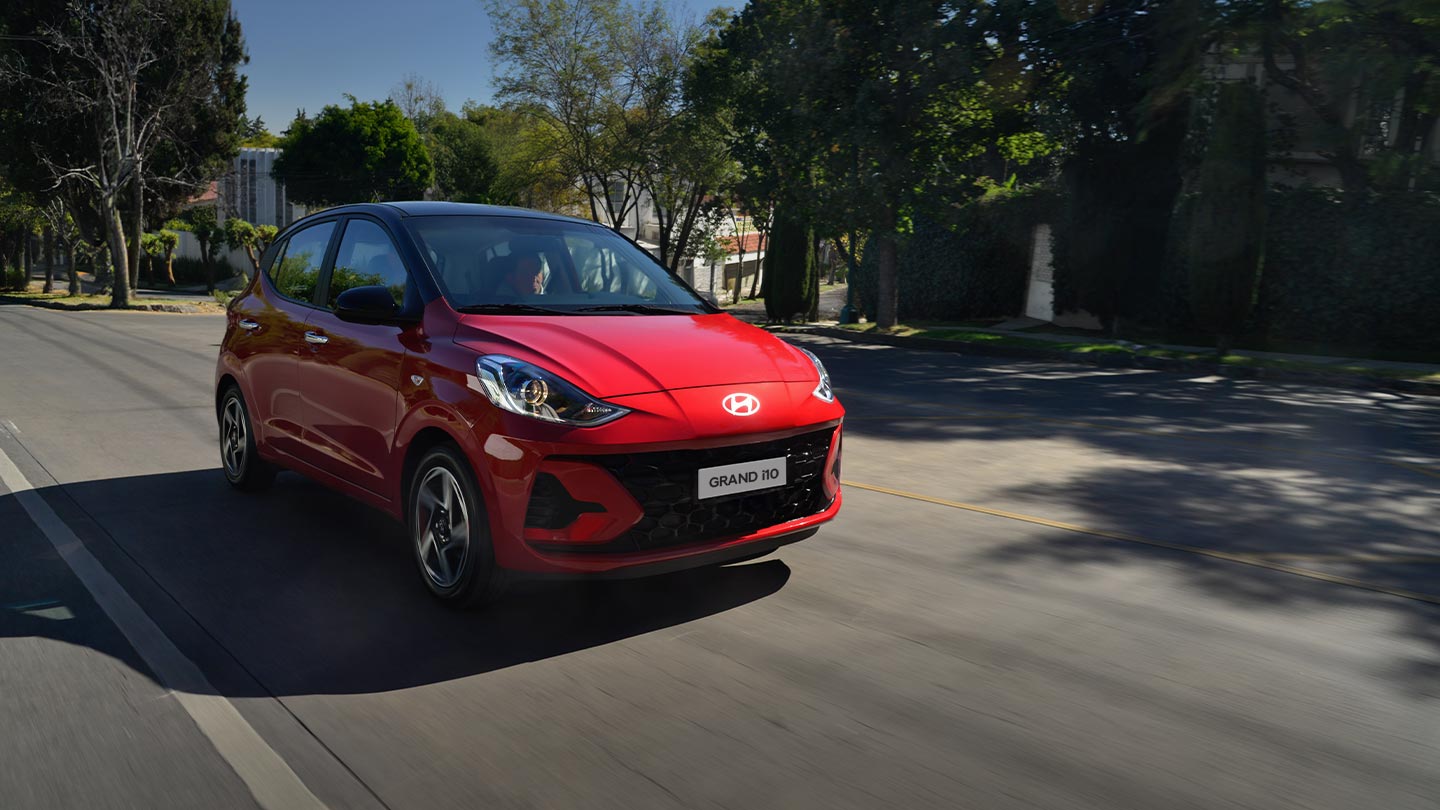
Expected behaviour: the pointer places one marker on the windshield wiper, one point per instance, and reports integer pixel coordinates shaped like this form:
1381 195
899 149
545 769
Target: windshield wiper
643 309
513 307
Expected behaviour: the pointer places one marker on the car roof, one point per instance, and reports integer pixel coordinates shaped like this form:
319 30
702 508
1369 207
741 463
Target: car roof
430 208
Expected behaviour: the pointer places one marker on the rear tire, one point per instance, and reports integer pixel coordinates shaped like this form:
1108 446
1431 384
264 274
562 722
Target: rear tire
449 531
239 459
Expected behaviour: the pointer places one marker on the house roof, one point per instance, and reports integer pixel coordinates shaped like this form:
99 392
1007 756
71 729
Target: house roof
748 243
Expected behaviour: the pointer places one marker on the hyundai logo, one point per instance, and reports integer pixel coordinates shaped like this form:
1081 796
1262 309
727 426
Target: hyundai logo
742 404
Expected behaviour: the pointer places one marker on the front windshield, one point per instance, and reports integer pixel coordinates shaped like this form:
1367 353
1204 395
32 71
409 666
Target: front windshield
527 265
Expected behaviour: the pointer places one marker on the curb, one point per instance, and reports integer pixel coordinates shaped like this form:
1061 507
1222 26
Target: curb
1128 360
45 304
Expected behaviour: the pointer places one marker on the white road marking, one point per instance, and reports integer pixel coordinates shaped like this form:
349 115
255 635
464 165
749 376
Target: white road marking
274 785
10 426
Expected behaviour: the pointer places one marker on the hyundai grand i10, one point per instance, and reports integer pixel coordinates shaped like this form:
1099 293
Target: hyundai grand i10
528 393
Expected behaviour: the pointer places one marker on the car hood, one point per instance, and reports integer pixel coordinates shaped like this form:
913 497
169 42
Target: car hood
617 355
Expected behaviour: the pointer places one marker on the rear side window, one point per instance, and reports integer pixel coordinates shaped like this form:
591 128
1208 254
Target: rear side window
296 269
366 258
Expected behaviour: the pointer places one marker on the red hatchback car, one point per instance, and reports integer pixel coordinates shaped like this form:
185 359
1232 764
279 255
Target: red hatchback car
528 393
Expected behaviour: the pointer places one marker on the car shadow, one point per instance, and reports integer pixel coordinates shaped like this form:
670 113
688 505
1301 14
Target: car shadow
311 593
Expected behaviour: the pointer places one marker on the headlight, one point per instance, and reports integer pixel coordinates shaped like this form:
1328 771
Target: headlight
522 388
823 390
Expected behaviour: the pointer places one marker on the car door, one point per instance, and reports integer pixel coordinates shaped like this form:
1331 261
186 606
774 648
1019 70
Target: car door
349 373
271 325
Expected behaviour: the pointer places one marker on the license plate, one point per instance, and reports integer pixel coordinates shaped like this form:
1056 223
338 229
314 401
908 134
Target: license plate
747 476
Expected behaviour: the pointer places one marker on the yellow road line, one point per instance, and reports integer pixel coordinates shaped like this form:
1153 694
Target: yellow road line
1251 446
1258 561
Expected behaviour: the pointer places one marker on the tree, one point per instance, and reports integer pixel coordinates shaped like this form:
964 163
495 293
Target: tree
252 239
1114 88
419 100
465 167
132 91
168 240
254 134
364 153
203 223
599 83
788 267
1226 227
850 113
1367 72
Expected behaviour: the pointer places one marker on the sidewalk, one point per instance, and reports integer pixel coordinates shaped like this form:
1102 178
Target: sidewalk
1019 327
1011 339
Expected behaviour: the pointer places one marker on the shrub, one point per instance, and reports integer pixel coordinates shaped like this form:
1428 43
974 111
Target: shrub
789 265
1225 220
190 270
14 278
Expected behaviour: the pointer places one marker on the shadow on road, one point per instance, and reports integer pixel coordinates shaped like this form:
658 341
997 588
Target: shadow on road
1333 481
316 594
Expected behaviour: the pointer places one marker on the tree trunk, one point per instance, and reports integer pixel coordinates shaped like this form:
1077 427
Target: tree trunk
49 260
887 290
814 314
739 269
74 269
119 260
27 254
170 267
209 266
759 265
137 228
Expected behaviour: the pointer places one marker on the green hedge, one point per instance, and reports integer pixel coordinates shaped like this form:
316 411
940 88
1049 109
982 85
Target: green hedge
189 270
1352 270
975 265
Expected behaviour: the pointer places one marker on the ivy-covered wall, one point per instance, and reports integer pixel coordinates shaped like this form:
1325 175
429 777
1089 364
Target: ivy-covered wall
1352 270
974 264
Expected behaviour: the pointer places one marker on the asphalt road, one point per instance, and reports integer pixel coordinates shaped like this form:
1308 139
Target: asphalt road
1050 586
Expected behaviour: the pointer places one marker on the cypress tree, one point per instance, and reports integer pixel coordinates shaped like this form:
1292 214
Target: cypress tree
1224 245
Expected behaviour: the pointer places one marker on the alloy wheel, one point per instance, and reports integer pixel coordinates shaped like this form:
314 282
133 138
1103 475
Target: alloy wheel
233 437
442 527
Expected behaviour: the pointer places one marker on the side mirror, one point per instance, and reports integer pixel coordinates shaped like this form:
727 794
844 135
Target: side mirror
370 304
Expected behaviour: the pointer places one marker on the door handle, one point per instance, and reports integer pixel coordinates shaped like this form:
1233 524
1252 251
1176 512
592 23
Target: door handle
316 337
247 324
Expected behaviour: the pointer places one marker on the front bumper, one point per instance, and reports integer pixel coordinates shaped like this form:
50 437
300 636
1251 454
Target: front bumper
563 508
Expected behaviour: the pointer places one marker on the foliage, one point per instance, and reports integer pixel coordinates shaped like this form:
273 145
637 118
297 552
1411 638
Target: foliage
253 239
1352 269
465 166
202 221
419 100
366 152
973 264
192 270
1367 74
562 64
1117 92
1226 221
789 267
140 100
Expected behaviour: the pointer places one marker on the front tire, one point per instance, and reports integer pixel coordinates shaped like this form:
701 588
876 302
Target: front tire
243 467
449 532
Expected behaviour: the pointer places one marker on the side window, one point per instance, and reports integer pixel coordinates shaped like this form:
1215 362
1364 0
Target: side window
295 272
366 257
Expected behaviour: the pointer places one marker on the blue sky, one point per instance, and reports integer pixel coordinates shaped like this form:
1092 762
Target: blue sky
305 53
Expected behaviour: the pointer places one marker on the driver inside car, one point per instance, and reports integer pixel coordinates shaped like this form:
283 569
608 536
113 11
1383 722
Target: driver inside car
525 276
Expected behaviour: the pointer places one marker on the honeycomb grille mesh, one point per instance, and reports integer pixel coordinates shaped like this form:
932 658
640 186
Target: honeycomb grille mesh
664 484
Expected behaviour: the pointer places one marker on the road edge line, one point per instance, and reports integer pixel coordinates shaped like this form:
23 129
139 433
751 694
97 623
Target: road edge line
274 785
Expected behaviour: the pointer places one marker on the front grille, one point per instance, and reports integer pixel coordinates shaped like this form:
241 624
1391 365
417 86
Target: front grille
664 484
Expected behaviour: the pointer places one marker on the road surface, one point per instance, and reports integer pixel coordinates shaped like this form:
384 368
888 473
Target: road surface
1050 586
